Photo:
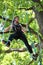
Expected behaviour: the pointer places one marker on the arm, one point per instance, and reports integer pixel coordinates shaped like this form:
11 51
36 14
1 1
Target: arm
24 29
7 29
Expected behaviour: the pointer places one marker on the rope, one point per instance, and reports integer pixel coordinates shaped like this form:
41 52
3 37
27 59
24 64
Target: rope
2 25
1 30
40 51
4 22
11 27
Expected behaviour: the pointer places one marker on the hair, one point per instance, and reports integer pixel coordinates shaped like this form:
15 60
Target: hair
15 18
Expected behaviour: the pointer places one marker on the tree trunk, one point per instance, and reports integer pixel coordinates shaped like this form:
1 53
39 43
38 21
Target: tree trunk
39 17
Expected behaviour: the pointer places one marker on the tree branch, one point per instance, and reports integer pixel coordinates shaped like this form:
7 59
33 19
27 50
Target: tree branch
31 20
14 49
5 18
31 62
25 8
38 1
6 32
18 49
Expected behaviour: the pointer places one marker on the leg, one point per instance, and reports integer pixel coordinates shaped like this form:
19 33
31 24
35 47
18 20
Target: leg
12 36
23 38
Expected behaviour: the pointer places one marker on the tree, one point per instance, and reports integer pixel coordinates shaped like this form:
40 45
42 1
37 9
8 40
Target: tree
31 13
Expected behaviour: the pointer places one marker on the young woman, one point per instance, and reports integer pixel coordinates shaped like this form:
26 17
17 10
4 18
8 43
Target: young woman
18 34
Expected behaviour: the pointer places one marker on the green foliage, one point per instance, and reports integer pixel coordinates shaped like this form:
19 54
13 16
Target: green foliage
9 8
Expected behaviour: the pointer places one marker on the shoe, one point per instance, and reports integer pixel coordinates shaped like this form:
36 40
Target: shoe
6 43
3 41
34 56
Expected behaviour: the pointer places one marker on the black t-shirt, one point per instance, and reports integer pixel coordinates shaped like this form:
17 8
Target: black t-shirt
16 27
